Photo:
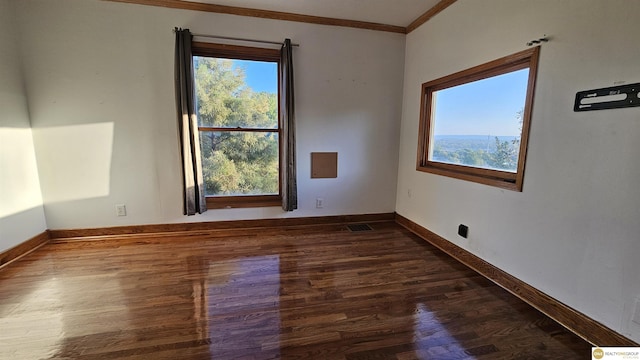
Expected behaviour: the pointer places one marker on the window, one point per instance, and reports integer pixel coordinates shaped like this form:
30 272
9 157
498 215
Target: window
238 120
474 124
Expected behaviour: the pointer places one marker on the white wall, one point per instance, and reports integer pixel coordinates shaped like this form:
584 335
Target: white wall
21 212
100 82
574 232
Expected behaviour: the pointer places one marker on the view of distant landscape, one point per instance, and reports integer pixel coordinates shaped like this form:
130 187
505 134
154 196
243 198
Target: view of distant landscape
483 151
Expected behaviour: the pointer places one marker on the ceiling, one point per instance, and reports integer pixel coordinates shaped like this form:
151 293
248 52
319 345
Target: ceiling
389 12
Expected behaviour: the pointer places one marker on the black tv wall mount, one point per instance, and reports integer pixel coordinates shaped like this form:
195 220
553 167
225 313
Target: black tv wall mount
621 96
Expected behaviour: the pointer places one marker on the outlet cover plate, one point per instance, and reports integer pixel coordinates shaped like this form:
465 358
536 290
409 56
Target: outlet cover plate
463 230
121 210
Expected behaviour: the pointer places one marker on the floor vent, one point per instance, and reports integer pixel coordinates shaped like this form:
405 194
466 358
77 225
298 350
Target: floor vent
359 227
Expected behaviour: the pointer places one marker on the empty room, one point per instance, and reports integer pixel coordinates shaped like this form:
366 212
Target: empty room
306 179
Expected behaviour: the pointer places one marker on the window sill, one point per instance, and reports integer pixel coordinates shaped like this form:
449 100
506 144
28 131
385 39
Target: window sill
487 177
243 201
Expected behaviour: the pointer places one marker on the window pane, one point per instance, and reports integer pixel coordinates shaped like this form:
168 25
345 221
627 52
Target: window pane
240 163
479 124
236 93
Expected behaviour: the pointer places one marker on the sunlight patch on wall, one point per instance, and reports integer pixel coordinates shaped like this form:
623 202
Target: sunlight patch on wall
74 161
18 173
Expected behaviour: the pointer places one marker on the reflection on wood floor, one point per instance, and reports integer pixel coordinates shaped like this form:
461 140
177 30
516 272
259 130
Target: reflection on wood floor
300 293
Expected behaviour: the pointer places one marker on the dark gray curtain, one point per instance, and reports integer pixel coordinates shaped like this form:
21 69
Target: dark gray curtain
194 197
288 181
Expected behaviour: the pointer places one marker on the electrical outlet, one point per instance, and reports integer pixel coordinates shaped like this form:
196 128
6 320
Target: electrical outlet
121 210
319 203
463 230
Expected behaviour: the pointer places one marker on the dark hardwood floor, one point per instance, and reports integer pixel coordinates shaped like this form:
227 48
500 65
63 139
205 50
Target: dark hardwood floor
297 293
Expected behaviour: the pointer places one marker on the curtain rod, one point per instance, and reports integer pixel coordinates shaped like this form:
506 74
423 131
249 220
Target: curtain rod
241 39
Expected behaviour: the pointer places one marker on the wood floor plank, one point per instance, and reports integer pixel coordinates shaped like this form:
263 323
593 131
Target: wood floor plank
315 292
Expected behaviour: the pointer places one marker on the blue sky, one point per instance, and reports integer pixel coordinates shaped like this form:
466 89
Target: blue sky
261 76
484 107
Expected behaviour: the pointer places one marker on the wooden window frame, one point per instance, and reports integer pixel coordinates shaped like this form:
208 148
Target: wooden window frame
502 179
244 53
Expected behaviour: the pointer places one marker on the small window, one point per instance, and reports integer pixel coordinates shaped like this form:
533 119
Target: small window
238 120
474 124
